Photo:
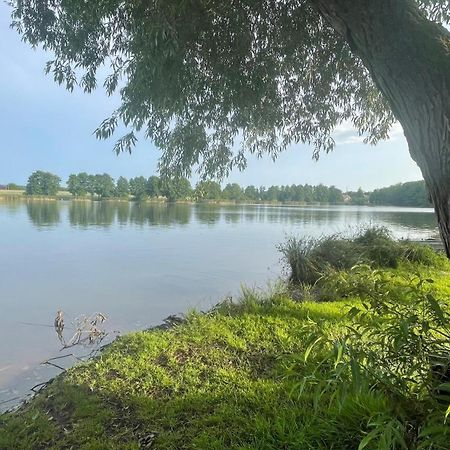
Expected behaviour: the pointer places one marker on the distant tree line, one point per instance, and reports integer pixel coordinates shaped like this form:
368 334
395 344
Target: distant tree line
139 188
211 190
11 187
413 193
103 186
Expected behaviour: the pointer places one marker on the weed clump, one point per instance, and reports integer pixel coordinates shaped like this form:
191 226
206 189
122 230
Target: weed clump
336 252
421 254
378 248
310 259
297 254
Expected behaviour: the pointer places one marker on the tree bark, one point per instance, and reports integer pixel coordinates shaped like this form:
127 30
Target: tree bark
408 58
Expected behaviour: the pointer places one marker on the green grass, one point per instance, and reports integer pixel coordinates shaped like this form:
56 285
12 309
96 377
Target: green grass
11 194
221 380
211 383
61 195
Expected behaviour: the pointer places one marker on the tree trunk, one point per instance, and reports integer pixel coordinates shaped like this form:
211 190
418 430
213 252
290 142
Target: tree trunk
408 58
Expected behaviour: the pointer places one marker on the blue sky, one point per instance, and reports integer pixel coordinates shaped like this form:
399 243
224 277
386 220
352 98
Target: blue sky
42 126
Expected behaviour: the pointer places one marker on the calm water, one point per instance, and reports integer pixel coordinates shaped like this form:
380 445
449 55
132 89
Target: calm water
139 263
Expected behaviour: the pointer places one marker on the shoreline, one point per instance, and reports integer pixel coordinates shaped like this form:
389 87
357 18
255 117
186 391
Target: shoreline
63 196
21 400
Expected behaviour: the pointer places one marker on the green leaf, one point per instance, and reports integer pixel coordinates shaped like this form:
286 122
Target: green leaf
444 387
311 346
340 350
356 373
353 312
368 439
434 305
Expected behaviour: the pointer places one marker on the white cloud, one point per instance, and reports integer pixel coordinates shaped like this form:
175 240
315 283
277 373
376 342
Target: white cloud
346 134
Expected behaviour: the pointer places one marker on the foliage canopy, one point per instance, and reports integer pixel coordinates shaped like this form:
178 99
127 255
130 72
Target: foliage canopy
43 183
211 81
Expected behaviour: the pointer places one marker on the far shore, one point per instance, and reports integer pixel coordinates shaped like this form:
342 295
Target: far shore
65 195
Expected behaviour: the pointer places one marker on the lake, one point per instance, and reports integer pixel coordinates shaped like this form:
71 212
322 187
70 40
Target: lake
139 263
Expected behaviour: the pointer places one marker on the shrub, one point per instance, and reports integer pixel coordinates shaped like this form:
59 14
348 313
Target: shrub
422 254
297 258
378 247
309 260
397 346
336 252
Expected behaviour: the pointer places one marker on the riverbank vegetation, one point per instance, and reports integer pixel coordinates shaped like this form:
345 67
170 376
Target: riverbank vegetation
413 193
357 358
103 186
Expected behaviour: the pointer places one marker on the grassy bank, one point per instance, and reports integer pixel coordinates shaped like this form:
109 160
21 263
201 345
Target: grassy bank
211 383
266 372
9 194
65 195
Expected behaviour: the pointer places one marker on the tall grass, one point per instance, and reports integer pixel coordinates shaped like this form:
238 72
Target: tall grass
11 194
394 357
310 259
297 254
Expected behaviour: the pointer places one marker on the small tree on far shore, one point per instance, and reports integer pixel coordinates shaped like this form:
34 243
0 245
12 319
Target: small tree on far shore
138 187
104 185
122 187
208 190
43 183
176 189
154 186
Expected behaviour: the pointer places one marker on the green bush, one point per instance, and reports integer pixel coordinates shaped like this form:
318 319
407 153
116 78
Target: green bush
378 247
309 259
297 258
396 347
422 254
336 252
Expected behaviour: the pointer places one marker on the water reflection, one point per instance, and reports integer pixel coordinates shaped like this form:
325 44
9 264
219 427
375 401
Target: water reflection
160 214
307 215
84 214
44 213
105 214
123 212
331 219
10 204
411 220
207 214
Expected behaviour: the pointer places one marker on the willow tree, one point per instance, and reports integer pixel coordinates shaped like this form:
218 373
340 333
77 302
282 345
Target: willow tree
210 81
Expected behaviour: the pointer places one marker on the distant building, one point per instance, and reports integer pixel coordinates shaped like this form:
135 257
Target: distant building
347 198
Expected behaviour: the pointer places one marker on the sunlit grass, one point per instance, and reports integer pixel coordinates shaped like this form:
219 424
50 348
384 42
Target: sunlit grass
9 193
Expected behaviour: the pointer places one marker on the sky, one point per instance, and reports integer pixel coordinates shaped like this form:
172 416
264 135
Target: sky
45 127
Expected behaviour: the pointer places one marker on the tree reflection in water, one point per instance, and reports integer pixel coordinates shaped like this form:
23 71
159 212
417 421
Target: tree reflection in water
44 213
